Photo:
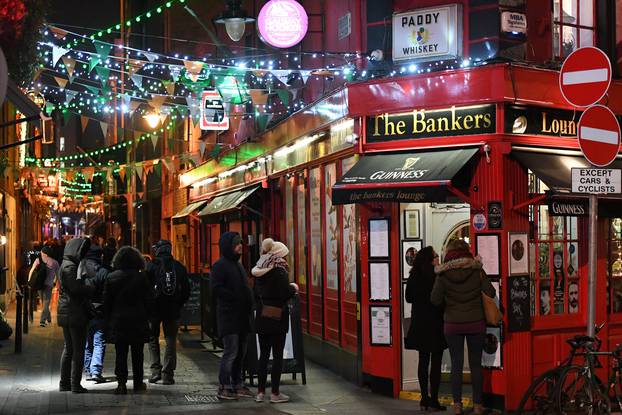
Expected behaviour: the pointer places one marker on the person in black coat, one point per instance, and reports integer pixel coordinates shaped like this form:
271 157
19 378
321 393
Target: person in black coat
128 303
272 290
234 305
426 327
170 280
73 314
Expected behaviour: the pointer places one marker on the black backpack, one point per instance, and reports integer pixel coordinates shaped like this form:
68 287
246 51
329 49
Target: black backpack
37 280
166 279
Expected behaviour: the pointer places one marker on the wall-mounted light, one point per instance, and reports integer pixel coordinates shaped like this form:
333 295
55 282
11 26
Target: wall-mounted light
153 119
3 240
234 19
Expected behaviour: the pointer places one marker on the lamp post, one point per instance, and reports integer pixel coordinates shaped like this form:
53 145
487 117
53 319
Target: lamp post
234 19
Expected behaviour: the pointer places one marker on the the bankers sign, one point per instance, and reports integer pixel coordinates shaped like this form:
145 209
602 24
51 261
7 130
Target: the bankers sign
426 34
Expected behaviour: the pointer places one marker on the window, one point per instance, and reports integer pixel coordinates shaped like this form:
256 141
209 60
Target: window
573 26
555 269
614 266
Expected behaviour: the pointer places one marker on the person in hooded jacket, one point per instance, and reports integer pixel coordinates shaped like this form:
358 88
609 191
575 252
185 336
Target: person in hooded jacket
234 301
426 327
109 250
170 280
128 303
73 314
459 286
272 289
95 275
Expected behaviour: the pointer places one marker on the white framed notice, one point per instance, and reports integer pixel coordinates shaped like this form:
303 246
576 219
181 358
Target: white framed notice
379 281
380 325
491 357
519 253
487 247
379 238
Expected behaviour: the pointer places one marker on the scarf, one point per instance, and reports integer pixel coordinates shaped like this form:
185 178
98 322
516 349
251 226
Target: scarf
267 262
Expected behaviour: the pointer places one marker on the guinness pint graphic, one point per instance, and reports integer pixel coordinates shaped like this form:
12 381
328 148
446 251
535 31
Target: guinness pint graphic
402 177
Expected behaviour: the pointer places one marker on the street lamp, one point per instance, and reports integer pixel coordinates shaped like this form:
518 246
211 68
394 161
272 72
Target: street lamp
234 19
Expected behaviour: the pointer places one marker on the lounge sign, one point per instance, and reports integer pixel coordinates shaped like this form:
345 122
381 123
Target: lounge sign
425 34
454 121
541 121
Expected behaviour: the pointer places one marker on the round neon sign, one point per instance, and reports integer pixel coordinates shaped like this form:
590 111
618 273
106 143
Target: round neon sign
282 23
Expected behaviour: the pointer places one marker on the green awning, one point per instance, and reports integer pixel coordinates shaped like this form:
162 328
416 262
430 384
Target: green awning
189 209
227 202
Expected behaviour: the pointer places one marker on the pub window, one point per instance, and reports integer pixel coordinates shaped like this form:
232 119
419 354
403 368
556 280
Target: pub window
614 266
555 263
573 26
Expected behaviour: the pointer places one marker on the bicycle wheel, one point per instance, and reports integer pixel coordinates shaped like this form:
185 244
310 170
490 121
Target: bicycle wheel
539 397
577 393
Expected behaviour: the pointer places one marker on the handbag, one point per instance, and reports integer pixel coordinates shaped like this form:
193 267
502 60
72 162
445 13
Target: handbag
271 312
491 311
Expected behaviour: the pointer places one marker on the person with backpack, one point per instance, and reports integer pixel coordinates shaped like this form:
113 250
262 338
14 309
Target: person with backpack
43 273
95 275
169 278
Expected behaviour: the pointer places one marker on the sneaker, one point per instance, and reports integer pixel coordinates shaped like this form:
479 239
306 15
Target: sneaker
155 377
42 324
226 394
97 379
260 397
244 392
280 398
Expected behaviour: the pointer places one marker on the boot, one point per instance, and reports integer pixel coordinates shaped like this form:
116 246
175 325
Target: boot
424 404
121 389
478 408
435 405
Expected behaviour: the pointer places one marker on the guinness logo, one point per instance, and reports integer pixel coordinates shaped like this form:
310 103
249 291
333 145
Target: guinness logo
409 163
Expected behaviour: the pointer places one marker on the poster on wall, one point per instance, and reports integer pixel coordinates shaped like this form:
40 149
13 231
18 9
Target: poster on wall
348 232
379 281
487 247
316 228
518 303
378 238
492 348
331 230
409 251
289 224
411 224
302 235
519 258
380 322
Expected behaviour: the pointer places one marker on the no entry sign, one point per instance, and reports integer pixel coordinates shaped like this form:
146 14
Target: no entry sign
585 76
599 135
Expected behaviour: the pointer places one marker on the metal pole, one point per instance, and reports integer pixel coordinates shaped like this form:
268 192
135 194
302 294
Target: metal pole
25 290
18 323
591 282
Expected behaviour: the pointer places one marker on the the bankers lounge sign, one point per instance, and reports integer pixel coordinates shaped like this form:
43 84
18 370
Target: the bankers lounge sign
426 34
541 121
434 123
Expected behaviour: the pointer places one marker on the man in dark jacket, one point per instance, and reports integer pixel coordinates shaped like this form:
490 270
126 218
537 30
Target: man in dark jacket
172 289
95 274
234 305
73 310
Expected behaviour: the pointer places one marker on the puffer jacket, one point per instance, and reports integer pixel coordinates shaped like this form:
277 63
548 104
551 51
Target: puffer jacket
95 275
74 295
459 288
128 299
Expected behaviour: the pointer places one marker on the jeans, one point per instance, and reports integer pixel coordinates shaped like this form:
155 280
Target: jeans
170 328
230 373
434 373
95 348
274 343
72 359
475 344
46 297
120 367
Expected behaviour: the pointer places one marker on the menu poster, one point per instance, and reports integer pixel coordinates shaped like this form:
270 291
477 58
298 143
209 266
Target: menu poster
519 303
379 281
380 322
487 247
379 238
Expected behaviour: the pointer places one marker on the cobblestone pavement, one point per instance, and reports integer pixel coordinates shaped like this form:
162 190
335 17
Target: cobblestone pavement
29 385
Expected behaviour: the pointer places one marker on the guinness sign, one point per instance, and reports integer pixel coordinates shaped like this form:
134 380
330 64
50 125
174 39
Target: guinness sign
574 207
423 123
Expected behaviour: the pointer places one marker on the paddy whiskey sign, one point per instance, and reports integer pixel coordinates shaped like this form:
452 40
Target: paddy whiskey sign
426 34
434 123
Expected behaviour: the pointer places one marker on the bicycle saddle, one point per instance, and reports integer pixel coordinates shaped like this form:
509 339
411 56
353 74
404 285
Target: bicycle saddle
579 341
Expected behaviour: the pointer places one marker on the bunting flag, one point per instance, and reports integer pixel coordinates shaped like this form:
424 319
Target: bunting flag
258 96
93 62
127 99
61 81
135 66
69 175
305 75
139 171
57 53
92 89
70 66
38 73
169 86
158 169
128 172
154 141
157 101
134 106
84 121
202 147
140 194
104 127
194 107
57 32
148 166
283 95
122 174
103 73
193 69
70 95
103 49
88 173
175 72
281 73
150 56
215 152
263 120
138 80
167 164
